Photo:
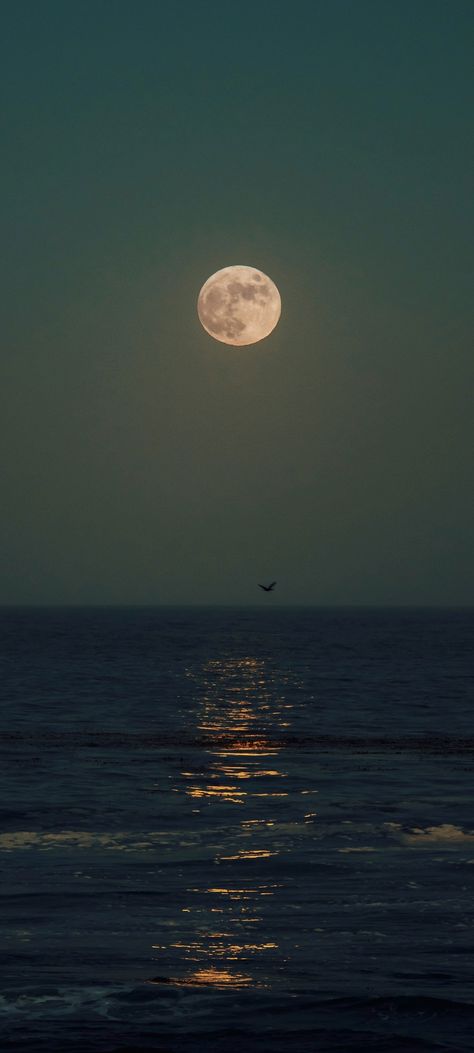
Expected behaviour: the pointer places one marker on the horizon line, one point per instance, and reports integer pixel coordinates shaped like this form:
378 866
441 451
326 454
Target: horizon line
408 605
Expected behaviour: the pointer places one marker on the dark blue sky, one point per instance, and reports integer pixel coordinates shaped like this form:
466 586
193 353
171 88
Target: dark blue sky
145 146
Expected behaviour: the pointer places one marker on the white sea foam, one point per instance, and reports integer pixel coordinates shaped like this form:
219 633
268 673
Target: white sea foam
445 833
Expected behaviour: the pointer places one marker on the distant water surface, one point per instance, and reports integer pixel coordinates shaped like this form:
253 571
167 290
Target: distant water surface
228 829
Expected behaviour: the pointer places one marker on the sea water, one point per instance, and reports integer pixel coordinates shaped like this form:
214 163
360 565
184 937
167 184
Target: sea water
237 829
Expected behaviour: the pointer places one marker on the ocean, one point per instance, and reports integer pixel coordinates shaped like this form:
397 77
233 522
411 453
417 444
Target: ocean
245 829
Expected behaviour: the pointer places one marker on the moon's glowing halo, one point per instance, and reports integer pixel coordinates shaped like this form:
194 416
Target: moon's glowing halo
239 305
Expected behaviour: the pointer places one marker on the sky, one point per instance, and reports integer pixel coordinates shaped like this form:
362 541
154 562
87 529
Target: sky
148 144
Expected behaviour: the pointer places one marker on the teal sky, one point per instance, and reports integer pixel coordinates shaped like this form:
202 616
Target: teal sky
145 146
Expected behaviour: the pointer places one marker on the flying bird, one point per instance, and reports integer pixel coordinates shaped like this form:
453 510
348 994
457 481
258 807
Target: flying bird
267 588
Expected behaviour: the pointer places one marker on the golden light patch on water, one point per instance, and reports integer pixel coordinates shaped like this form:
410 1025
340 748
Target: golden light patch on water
248 773
257 822
208 977
225 793
235 773
255 853
234 951
220 949
212 976
230 729
245 892
243 749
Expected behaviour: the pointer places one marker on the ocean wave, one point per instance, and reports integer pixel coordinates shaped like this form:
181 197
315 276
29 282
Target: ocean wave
109 998
113 1018
150 740
188 847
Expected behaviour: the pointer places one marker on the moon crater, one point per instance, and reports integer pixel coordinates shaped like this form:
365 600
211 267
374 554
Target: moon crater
239 305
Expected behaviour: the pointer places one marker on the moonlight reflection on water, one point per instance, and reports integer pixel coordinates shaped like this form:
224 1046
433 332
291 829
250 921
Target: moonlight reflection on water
240 707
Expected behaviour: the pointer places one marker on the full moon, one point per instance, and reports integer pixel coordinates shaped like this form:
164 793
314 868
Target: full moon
239 305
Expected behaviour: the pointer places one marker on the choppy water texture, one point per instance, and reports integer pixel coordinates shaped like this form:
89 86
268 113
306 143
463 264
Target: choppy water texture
231 830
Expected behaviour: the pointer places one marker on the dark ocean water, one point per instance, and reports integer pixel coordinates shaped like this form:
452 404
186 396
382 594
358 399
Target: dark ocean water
246 829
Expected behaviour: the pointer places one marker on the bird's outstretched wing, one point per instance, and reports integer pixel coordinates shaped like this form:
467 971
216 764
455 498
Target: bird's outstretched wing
272 584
